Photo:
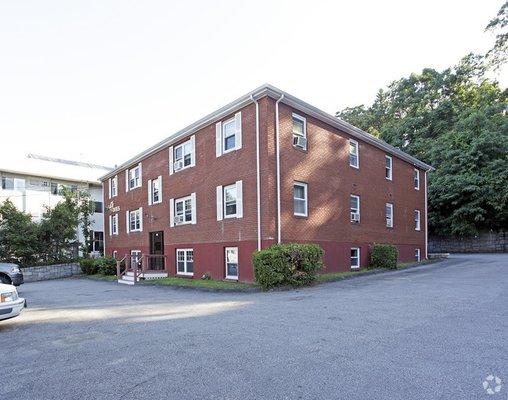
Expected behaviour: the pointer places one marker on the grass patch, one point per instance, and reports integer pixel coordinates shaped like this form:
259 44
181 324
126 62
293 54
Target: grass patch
102 277
337 276
200 283
415 264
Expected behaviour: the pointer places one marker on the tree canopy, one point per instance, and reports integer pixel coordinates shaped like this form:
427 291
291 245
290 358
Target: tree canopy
455 120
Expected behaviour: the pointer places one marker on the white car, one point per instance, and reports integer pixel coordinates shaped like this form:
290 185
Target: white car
10 303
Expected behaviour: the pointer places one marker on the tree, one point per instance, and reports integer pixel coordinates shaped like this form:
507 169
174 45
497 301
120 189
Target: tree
454 120
498 55
18 235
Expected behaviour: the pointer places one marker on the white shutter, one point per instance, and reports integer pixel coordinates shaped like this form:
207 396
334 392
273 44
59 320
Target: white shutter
140 218
193 201
219 203
140 174
193 149
127 180
109 190
218 139
239 199
238 130
171 212
171 160
127 219
160 188
149 192
110 225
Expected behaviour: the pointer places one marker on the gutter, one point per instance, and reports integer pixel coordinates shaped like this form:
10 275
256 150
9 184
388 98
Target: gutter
258 174
277 134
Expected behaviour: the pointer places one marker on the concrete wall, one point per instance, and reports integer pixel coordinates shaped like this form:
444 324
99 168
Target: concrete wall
43 273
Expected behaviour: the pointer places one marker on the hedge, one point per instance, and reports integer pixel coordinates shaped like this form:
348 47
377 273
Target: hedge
287 264
104 265
383 256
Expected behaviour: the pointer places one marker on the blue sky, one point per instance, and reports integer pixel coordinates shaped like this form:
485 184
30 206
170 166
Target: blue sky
102 80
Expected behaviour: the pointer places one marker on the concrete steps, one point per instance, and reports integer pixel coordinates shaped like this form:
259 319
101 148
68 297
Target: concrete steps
128 278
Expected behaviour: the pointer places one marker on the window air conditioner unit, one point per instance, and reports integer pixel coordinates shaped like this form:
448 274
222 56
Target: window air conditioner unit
179 219
300 141
178 165
355 217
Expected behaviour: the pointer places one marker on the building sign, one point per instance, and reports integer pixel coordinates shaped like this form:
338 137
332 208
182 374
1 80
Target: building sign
112 208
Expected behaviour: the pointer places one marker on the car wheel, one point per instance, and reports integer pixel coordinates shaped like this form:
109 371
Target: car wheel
5 279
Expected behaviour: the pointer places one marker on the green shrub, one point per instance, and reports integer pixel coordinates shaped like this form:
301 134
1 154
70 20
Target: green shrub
287 264
88 266
106 265
383 256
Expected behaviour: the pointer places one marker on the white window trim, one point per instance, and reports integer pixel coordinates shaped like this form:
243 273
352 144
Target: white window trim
305 190
417 220
112 218
357 166
173 202
128 178
223 137
151 188
172 150
359 262
304 120
358 210
219 135
390 218
114 185
133 253
389 169
416 179
185 262
140 229
232 277
418 255
224 188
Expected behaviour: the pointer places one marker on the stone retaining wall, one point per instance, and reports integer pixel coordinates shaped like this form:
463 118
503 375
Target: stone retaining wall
492 242
33 274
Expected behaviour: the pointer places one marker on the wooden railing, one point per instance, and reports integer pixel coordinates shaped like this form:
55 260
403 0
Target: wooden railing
140 264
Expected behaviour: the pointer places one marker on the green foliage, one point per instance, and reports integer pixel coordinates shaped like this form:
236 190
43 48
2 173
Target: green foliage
18 236
106 265
454 120
383 256
88 266
498 54
287 264
53 239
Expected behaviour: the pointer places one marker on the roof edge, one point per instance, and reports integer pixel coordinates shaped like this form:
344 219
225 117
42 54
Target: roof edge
273 92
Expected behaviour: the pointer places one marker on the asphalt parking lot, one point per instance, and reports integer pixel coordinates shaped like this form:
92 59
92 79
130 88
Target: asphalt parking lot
432 332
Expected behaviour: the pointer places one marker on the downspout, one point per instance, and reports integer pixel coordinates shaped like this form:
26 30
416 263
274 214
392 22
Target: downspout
277 134
426 221
258 174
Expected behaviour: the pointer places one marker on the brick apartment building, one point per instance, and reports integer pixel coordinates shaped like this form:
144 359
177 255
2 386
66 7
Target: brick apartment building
263 169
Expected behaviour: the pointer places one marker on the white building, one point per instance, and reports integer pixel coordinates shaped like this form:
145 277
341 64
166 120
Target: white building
33 182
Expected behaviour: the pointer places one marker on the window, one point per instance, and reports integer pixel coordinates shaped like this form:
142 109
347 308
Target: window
417 255
54 188
185 261
155 191
300 199
184 210
354 159
388 167
135 220
354 202
134 177
74 188
299 132
231 262
98 207
417 220
183 155
389 215
113 186
228 135
136 257
355 257
113 224
12 183
416 176
97 244
230 201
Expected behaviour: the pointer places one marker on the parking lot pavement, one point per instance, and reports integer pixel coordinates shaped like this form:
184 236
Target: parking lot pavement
432 332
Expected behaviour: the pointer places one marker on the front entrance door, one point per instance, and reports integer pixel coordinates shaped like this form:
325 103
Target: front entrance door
156 249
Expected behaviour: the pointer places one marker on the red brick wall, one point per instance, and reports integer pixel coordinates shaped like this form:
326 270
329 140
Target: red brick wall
325 167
